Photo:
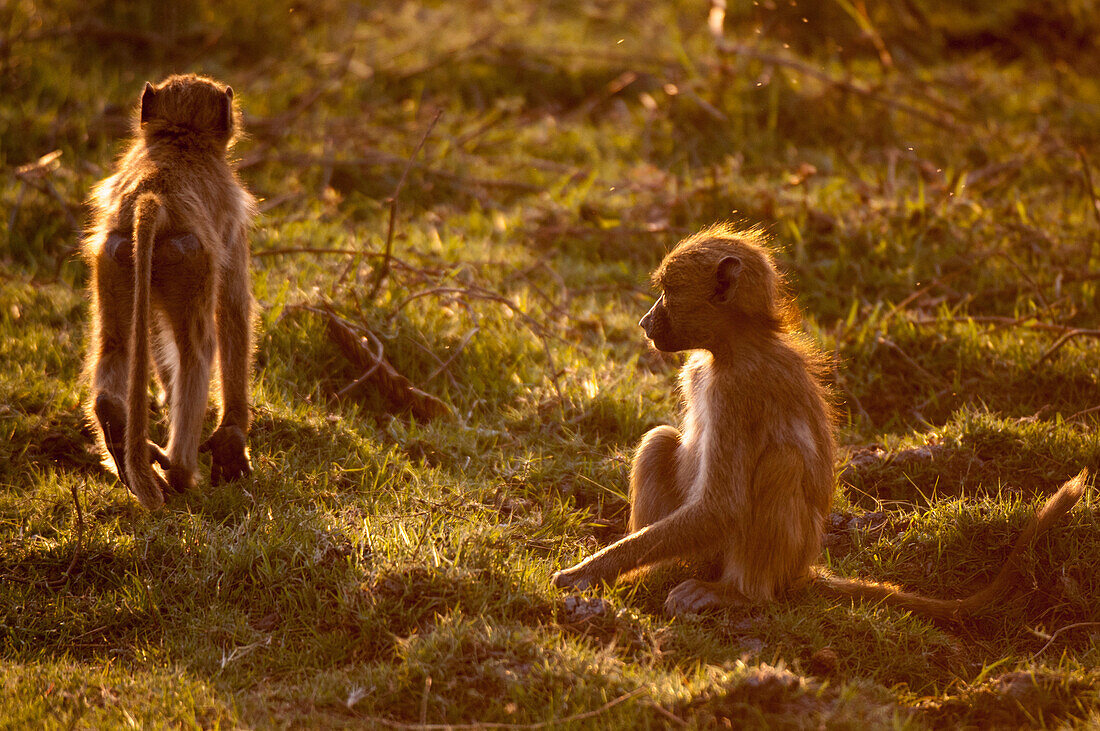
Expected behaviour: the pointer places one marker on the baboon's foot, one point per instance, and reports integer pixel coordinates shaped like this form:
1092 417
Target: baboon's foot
180 479
229 454
111 415
149 493
112 420
694 596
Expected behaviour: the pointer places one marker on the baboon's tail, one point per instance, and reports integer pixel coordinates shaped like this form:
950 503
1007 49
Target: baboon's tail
1054 510
148 214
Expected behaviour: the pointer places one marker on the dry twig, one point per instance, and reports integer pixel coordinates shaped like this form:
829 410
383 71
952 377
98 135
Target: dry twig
1089 188
541 724
1054 636
78 553
1063 339
476 292
1083 412
392 200
872 94
1026 322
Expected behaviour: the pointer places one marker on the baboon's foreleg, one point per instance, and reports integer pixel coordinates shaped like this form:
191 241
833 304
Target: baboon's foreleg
186 296
109 355
189 392
165 358
662 525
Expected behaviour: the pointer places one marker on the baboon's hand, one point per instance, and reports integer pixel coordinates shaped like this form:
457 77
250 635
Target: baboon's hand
572 578
229 458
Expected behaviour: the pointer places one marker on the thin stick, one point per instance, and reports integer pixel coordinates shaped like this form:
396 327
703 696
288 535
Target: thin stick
1060 631
427 685
1065 338
883 340
1003 321
476 293
541 724
385 268
667 714
446 365
377 356
739 49
1079 414
922 291
78 552
536 327
322 251
15 209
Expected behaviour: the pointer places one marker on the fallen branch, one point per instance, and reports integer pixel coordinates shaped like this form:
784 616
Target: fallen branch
396 388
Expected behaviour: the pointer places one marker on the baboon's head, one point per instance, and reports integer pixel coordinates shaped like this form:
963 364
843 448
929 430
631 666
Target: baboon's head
714 285
188 105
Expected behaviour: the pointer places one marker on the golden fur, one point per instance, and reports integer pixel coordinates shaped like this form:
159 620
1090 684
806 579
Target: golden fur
168 252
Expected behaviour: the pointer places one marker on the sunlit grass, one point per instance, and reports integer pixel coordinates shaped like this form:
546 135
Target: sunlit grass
375 568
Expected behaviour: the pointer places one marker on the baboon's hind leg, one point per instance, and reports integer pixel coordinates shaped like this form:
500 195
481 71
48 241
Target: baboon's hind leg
654 489
109 360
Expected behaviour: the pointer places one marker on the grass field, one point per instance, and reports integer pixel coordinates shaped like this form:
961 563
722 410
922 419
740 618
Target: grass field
930 176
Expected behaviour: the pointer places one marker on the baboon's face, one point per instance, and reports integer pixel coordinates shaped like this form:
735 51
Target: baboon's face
659 329
691 312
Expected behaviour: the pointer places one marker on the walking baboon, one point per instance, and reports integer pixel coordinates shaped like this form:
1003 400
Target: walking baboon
168 252
749 481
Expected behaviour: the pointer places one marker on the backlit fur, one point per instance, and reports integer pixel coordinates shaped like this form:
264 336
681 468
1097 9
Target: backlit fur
168 253
747 482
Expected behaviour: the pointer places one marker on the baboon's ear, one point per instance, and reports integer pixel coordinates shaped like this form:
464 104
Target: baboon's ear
725 284
227 110
148 103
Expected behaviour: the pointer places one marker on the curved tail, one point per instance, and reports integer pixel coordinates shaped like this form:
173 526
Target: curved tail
954 609
148 213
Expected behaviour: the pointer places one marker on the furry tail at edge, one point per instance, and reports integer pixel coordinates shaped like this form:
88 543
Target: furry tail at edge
1052 511
142 481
